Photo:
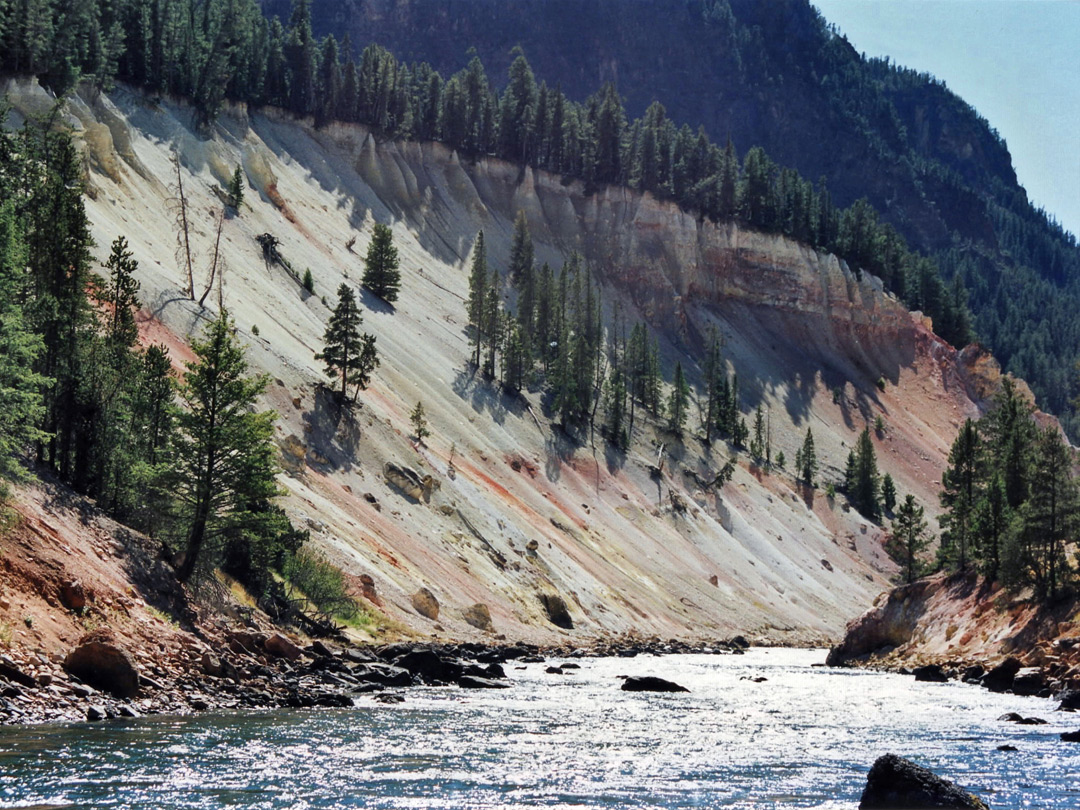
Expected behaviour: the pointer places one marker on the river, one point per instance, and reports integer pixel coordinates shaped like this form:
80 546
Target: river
805 737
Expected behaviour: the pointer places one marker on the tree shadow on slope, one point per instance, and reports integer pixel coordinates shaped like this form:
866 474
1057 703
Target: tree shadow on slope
559 449
487 396
332 430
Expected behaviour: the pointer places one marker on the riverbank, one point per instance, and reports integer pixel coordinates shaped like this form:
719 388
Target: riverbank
961 627
254 670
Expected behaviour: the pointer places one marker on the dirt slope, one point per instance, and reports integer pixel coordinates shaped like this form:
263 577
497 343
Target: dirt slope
523 511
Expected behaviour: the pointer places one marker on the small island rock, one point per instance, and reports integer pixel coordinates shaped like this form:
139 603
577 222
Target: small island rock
895 783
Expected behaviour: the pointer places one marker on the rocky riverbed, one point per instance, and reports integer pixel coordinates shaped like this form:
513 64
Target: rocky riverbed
251 669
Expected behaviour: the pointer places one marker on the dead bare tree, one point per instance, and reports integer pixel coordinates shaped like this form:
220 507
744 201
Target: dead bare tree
214 261
183 236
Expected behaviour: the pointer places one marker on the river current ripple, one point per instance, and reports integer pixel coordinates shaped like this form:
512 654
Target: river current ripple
805 737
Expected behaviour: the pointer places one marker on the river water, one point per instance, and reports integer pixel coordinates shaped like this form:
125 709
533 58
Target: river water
805 737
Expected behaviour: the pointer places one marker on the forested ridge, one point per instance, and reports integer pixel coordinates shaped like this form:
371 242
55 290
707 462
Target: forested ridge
776 75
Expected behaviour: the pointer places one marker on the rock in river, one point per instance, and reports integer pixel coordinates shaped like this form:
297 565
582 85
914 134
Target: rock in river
650 683
895 783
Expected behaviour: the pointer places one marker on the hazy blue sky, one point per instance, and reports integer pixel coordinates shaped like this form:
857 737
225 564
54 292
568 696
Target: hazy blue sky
1015 61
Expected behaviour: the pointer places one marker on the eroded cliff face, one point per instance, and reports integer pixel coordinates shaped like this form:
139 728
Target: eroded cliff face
960 620
519 512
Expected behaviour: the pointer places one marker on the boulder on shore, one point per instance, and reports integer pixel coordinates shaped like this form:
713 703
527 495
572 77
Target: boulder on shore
650 683
895 783
425 603
557 612
1000 678
931 673
104 666
280 646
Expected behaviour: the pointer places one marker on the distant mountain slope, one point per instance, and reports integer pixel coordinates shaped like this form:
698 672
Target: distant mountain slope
775 75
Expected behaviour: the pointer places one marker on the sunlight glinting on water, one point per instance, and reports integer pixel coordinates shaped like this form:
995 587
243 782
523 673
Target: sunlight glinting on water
804 738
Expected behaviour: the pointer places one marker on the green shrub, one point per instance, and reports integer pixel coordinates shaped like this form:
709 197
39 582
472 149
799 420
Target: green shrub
321 582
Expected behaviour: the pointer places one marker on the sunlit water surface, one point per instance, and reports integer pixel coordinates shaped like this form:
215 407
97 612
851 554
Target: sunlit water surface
804 738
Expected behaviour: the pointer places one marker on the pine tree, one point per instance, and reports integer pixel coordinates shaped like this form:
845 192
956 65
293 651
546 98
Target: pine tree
806 463
223 457
20 348
995 526
909 537
236 189
419 423
478 293
381 274
308 282
492 323
960 491
349 355
521 251
1051 514
865 482
888 492
120 295
757 442
679 401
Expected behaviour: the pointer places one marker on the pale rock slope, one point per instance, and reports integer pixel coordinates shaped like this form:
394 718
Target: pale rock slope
525 512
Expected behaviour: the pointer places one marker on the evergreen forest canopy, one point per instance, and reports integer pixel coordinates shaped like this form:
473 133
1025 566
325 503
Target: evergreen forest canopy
218 49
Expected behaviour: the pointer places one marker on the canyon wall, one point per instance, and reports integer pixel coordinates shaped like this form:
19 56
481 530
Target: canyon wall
525 515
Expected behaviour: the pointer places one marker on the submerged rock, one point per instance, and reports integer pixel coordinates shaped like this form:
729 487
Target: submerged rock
476 682
650 683
1070 700
895 783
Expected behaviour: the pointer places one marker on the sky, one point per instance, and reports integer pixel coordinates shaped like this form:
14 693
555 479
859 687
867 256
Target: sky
1017 62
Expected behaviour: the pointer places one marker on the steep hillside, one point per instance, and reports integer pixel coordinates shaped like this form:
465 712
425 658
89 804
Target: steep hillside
776 75
522 512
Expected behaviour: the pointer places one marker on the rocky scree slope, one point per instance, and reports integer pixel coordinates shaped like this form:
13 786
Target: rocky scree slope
524 521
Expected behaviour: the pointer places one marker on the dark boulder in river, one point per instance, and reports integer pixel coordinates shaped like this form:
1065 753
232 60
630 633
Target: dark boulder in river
1000 678
650 683
895 783
931 673
476 682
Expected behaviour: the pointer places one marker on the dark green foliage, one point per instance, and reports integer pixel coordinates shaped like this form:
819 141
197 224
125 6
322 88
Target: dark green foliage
321 582
960 491
223 467
909 538
381 273
419 422
758 438
348 354
806 460
888 493
1050 515
308 283
236 189
862 481
679 401
478 294
21 409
